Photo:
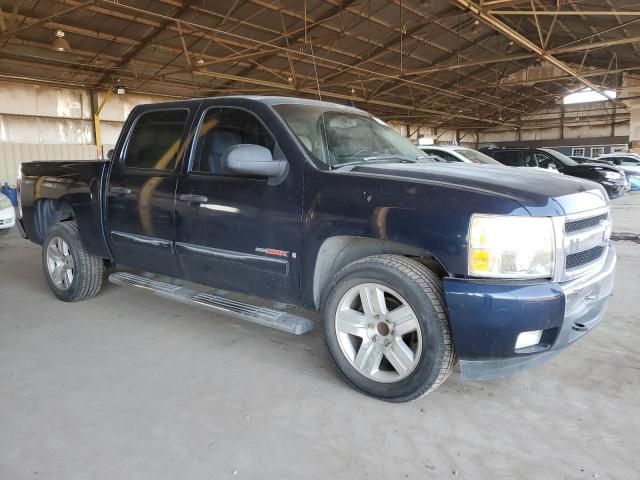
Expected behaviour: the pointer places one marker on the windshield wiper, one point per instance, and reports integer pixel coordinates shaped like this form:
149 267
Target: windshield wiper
377 159
402 158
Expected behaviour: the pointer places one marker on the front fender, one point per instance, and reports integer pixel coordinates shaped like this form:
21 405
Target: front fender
429 218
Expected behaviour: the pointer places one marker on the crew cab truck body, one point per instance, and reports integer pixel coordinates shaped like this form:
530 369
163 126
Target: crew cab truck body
412 264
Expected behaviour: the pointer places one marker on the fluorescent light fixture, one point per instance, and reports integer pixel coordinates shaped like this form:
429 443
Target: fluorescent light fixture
528 339
120 90
586 96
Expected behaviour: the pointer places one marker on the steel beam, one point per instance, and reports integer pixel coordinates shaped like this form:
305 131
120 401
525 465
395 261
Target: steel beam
588 13
594 45
523 41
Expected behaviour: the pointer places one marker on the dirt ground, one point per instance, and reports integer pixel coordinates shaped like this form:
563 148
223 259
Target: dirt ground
130 386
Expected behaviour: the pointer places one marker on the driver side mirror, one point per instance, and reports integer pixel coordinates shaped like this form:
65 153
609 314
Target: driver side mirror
110 154
252 160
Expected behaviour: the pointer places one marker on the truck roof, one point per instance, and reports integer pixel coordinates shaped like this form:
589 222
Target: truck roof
269 100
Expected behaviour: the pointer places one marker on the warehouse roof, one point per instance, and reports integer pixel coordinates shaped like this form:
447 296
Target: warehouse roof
441 62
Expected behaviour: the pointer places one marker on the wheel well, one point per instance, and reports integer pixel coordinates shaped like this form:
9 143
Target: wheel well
48 211
337 252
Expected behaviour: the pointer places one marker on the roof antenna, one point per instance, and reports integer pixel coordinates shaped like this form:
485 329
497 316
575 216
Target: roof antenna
315 69
325 143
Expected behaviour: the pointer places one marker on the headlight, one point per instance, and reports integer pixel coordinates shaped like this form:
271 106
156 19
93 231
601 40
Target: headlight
612 175
511 247
5 202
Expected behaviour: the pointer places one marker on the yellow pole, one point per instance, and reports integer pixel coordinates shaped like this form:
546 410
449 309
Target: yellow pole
96 118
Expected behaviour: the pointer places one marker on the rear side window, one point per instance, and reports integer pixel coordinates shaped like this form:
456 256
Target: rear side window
440 154
223 128
511 158
446 156
155 140
544 161
629 162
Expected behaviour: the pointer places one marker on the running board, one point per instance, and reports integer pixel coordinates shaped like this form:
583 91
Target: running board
261 315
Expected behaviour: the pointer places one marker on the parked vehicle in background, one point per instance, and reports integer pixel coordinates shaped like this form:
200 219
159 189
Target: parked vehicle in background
612 179
584 159
412 265
627 162
453 154
7 214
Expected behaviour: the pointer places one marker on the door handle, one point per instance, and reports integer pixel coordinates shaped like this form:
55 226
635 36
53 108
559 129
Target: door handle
193 198
120 190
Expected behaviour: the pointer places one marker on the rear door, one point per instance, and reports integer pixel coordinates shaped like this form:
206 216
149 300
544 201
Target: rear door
141 189
236 232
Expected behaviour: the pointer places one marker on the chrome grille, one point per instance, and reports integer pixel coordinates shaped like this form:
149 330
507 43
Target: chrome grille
585 242
582 258
584 223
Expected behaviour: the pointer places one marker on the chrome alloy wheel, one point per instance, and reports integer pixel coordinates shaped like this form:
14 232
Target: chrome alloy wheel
378 332
60 263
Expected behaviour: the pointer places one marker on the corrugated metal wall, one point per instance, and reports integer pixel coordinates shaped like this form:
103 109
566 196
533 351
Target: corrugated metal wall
13 154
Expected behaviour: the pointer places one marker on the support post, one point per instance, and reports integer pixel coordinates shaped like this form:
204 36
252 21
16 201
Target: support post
97 129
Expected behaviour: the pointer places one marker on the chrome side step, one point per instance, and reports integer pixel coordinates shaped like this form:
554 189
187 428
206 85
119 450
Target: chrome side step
261 315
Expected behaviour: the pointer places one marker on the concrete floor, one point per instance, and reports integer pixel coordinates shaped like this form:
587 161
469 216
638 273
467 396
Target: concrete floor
130 386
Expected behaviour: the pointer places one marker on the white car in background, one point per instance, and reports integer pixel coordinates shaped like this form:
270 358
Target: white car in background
458 154
628 161
7 214
467 155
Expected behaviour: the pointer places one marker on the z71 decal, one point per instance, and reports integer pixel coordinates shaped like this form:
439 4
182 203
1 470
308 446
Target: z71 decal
273 251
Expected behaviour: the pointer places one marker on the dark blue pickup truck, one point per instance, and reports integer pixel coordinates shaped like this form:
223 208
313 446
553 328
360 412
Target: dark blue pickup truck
413 265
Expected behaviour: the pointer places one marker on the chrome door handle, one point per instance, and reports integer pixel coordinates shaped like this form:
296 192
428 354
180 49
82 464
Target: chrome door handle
120 190
193 198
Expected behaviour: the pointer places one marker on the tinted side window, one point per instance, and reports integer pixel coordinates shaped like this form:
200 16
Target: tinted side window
511 159
530 159
155 140
544 160
629 162
447 157
223 128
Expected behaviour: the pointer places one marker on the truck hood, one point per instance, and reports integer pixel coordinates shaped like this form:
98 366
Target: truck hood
589 167
538 192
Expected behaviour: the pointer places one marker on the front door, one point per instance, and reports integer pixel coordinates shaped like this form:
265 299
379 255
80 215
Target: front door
236 232
141 190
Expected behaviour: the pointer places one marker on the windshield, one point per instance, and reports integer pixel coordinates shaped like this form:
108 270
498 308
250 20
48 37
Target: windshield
340 137
561 157
475 156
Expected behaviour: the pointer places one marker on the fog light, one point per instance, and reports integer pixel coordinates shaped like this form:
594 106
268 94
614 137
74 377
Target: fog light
528 339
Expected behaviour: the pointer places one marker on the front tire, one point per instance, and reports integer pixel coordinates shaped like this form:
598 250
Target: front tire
386 328
71 272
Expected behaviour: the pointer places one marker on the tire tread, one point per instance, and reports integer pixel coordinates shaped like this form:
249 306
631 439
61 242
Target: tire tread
428 282
89 268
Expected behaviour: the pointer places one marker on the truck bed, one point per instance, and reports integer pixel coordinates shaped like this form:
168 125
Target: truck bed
78 183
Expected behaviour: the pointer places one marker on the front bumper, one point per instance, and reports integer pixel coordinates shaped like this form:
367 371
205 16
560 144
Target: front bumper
615 189
486 319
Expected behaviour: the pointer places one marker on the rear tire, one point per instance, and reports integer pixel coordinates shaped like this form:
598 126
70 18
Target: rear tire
386 328
71 272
